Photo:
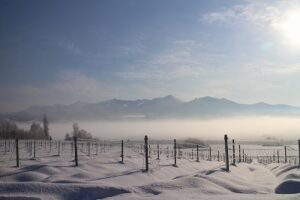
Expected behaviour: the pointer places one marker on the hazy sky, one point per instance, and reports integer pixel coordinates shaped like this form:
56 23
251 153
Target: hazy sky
65 51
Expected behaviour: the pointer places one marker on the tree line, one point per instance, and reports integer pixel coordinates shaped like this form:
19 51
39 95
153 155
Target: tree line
10 130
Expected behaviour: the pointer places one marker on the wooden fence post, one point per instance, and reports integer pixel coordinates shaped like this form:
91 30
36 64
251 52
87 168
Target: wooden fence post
243 155
218 156
240 158
30 147
89 148
157 151
233 152
299 154
226 152
58 148
175 153
277 156
50 146
17 152
192 154
122 151
285 157
209 153
97 148
76 155
72 148
146 153
197 152
34 148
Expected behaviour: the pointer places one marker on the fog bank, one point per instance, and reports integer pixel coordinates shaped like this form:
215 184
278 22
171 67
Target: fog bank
240 128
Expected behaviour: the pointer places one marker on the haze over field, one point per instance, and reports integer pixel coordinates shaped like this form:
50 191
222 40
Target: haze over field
241 128
168 117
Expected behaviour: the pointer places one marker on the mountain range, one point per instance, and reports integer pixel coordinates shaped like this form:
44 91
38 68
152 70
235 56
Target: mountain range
157 108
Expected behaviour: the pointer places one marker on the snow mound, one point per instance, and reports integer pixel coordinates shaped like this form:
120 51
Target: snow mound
182 184
243 179
18 198
103 176
29 176
60 191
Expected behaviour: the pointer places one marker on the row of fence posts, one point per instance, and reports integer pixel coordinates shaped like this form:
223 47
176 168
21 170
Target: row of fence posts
270 160
146 149
33 146
245 156
240 158
58 149
234 159
6 145
76 151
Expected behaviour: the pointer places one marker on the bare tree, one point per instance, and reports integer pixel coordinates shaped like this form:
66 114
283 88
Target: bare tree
79 133
36 131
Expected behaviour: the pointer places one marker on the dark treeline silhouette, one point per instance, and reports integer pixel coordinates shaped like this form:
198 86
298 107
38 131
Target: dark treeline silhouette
10 130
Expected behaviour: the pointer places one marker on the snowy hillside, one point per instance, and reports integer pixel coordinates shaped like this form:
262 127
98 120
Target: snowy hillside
101 174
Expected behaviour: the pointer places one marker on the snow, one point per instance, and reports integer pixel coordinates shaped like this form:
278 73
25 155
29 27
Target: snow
103 176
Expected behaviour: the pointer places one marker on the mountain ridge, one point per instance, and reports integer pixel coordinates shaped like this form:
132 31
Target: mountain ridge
156 108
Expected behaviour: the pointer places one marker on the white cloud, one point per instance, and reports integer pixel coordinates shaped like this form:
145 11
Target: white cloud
272 69
22 90
223 16
275 21
182 60
73 48
130 50
68 83
78 84
70 86
256 12
69 47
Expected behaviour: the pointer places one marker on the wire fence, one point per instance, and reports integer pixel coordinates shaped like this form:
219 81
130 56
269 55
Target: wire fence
160 153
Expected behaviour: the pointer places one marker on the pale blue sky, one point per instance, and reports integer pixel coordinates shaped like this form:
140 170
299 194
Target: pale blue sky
67 51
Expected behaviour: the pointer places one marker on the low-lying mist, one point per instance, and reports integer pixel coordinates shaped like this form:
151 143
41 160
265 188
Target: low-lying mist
240 128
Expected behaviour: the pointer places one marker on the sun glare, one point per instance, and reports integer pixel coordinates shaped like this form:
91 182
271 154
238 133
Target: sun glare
289 27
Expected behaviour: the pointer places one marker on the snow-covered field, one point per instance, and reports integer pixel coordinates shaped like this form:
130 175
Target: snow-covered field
52 174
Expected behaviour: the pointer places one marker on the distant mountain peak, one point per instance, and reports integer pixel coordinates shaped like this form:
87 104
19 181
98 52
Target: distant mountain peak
211 99
169 99
161 107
